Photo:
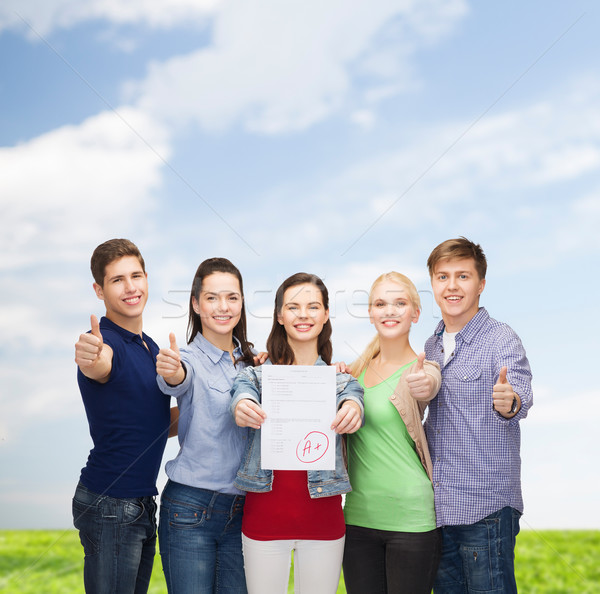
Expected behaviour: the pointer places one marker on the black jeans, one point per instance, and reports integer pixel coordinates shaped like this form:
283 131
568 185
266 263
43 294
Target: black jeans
387 562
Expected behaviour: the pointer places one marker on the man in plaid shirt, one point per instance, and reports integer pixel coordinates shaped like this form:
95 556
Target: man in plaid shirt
473 427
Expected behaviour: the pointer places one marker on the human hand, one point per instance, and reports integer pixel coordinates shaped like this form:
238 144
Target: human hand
260 358
89 346
249 413
168 362
503 394
341 367
348 418
419 383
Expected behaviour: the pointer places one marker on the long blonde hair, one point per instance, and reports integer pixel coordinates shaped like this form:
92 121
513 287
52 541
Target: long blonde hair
373 348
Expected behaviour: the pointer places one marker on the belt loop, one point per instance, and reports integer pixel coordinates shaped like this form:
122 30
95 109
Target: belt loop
213 499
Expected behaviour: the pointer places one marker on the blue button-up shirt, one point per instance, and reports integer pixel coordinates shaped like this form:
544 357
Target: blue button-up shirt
475 451
211 443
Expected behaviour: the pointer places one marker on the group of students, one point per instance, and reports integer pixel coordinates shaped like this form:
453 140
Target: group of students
433 505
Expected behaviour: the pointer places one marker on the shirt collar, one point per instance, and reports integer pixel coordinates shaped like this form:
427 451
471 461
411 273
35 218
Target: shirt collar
215 353
125 334
470 329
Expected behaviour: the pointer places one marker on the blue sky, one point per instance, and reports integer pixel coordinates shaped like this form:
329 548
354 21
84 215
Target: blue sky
294 136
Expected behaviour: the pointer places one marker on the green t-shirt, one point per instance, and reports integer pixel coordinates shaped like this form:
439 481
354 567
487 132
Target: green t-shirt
390 488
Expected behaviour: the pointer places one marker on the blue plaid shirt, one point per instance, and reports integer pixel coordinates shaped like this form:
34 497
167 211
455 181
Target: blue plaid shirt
474 450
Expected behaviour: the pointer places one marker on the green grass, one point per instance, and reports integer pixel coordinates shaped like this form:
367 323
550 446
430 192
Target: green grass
46 562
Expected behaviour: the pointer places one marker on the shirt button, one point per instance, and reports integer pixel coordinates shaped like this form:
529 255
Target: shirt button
437 484
393 396
402 411
319 489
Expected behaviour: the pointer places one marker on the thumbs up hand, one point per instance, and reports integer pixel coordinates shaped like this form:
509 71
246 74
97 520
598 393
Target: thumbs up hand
89 346
503 395
168 363
419 383
93 357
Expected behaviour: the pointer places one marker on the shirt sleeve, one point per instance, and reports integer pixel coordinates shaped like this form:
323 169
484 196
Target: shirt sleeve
510 353
348 388
245 386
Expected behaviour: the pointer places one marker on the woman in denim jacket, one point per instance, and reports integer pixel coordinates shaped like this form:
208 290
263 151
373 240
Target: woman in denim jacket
289 510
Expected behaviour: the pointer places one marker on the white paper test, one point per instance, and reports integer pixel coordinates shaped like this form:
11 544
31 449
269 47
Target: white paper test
300 404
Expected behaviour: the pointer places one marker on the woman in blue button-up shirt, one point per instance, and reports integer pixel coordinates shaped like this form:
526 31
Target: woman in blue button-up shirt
201 509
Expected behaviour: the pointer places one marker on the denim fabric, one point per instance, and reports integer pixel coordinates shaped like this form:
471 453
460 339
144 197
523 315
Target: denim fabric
479 557
119 540
200 540
382 561
321 483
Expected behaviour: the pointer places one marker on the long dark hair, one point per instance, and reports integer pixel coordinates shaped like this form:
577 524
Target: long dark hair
205 269
280 352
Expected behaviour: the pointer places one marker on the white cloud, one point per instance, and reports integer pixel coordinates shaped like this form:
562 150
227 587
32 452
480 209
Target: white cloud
75 183
564 408
44 16
280 66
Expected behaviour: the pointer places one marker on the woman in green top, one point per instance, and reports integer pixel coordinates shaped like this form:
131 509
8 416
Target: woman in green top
392 544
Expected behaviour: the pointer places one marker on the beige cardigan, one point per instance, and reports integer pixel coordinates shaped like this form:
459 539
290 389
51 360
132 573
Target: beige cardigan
412 410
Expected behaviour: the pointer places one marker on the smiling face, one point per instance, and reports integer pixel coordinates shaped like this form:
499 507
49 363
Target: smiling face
219 306
391 310
303 314
124 292
456 287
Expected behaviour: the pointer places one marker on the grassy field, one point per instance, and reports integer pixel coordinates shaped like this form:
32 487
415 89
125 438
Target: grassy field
45 562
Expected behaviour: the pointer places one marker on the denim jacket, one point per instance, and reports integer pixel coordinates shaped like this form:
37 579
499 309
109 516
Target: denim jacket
321 483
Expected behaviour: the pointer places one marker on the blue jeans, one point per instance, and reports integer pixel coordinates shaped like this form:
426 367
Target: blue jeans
119 541
200 539
479 557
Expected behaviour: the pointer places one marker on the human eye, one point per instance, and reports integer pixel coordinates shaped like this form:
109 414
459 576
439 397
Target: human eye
442 277
233 297
379 303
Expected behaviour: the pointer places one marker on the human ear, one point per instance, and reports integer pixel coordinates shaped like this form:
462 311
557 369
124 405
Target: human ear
195 305
98 290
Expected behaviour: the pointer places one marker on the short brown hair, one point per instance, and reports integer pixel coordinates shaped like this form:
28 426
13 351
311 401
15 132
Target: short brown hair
108 252
458 249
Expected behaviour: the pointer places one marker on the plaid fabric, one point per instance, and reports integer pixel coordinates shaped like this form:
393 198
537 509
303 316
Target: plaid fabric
474 450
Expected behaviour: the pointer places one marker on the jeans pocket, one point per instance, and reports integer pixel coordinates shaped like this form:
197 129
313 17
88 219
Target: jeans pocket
86 519
478 565
184 517
131 511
